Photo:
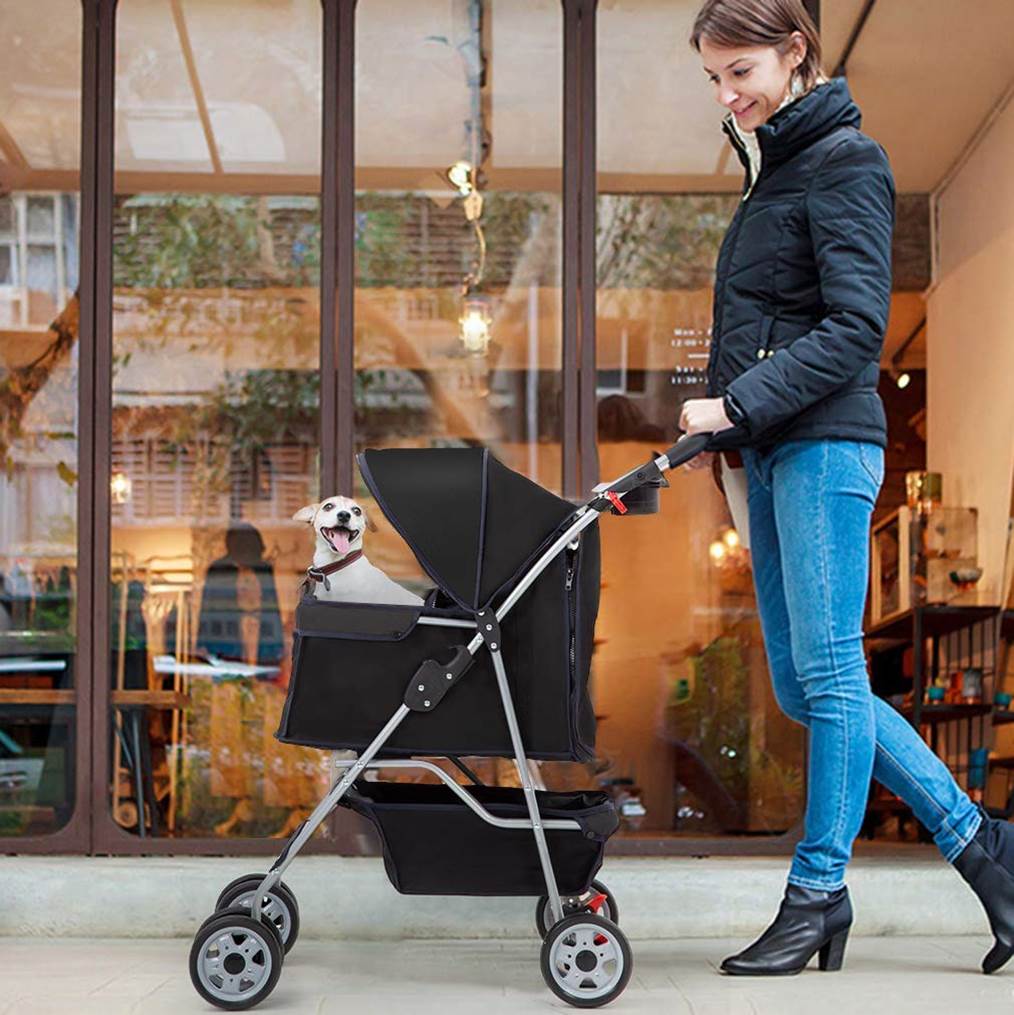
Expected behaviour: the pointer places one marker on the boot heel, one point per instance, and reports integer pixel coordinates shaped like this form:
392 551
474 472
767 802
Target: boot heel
832 954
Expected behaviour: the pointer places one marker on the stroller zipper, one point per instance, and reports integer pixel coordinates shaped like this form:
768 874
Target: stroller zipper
572 605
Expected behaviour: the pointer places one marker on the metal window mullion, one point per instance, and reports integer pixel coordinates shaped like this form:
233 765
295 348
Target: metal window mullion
337 281
337 296
95 407
570 272
328 352
587 283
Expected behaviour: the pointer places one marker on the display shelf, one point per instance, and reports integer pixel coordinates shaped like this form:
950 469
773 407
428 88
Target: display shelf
946 713
936 621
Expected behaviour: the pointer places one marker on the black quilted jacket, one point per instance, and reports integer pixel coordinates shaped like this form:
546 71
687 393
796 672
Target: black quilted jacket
803 279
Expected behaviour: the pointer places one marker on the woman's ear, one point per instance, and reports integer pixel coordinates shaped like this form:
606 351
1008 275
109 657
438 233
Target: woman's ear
798 49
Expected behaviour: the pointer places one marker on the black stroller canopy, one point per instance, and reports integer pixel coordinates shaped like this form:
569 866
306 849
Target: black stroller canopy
472 522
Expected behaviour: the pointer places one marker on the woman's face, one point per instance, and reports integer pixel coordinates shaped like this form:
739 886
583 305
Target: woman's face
751 81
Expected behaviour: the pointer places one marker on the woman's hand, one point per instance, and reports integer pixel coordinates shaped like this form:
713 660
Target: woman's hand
704 415
703 460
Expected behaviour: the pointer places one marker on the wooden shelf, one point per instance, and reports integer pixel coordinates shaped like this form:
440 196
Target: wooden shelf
1002 716
121 699
150 699
947 713
936 620
35 696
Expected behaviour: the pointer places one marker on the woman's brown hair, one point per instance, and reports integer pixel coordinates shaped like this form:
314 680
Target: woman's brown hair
735 23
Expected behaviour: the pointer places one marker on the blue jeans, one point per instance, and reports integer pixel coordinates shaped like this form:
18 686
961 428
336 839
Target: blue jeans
810 507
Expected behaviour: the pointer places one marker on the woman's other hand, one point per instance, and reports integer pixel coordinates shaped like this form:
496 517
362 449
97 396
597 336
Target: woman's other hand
704 415
704 460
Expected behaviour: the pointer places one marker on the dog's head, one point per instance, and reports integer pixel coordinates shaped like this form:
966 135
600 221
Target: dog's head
338 522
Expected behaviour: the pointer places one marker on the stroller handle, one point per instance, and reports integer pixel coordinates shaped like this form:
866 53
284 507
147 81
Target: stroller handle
647 479
687 447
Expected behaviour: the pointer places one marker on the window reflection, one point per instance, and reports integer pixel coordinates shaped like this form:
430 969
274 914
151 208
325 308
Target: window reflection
458 235
215 441
693 742
40 81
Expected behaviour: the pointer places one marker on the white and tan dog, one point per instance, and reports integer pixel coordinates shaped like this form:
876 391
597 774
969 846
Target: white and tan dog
343 574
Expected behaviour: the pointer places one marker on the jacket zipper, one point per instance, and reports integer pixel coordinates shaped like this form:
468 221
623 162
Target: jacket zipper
738 145
738 223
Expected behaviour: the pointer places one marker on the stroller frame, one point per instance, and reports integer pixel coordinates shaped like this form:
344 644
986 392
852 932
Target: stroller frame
608 496
584 516
237 954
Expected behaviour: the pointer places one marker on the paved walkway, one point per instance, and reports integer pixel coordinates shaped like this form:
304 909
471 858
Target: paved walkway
921 976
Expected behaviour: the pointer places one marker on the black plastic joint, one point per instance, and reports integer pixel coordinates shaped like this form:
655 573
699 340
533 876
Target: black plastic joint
434 679
489 628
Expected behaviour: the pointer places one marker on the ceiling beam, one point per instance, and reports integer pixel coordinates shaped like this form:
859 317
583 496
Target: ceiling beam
195 84
842 66
10 150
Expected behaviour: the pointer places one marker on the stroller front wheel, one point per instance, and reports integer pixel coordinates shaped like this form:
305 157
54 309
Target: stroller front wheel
598 899
279 906
586 960
235 961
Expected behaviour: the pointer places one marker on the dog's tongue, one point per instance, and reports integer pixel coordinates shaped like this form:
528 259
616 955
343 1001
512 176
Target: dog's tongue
340 540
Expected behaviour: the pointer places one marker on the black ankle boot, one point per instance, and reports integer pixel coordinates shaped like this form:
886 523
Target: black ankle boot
987 864
808 922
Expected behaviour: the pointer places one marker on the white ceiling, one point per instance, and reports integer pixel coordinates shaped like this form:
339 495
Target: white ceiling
212 88
926 74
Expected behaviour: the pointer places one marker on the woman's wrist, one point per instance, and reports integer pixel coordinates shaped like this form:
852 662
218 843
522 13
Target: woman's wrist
733 410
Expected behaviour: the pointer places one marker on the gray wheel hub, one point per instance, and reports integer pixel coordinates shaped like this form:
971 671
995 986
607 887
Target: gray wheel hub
234 963
586 961
273 910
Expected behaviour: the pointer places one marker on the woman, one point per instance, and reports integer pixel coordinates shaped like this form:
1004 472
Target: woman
802 293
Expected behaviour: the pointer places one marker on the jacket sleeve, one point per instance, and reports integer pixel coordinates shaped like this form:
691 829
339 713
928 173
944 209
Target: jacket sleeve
850 207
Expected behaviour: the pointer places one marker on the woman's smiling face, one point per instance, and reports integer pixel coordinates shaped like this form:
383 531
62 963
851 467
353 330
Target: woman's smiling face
751 81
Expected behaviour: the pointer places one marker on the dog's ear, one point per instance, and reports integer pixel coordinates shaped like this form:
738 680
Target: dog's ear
305 514
370 527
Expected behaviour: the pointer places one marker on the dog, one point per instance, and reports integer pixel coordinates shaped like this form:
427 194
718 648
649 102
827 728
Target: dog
340 573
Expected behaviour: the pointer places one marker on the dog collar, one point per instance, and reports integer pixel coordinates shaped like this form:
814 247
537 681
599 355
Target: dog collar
319 574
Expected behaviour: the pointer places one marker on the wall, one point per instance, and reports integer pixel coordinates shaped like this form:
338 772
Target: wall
970 355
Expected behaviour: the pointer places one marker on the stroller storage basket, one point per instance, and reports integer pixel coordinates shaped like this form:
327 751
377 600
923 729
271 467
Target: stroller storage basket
352 663
434 844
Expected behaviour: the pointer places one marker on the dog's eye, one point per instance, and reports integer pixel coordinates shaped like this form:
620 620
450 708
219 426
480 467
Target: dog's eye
328 506
356 511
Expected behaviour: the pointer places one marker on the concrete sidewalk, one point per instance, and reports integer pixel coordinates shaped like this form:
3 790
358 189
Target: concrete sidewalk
896 975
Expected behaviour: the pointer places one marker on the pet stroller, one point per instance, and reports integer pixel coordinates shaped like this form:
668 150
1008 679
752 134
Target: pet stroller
494 663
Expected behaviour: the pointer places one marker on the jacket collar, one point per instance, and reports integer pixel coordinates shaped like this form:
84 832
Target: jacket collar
799 124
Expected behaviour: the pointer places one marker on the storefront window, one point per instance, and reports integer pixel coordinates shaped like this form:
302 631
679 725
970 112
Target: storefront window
458 218
458 317
692 738
40 82
215 424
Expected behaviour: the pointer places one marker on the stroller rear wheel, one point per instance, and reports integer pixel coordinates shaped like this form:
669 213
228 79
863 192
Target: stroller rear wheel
598 899
235 961
279 906
586 960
